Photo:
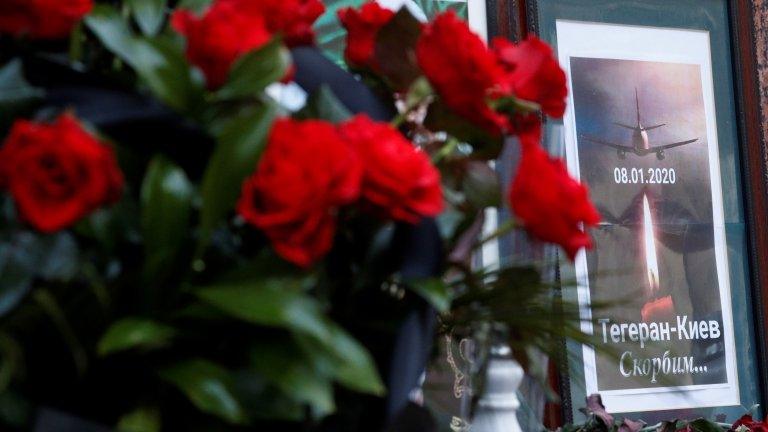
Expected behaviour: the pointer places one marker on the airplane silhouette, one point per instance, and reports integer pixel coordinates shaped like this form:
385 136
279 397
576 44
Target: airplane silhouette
640 145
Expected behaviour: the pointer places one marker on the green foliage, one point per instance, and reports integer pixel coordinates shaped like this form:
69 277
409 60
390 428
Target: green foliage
279 302
274 302
11 360
16 275
252 73
241 138
166 202
323 104
343 358
130 333
25 257
158 61
435 291
441 117
17 96
148 14
241 334
208 386
194 5
140 420
704 425
285 365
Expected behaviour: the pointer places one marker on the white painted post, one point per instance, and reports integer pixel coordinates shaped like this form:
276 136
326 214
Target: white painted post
497 408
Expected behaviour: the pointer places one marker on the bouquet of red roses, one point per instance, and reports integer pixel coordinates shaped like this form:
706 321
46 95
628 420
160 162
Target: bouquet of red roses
215 260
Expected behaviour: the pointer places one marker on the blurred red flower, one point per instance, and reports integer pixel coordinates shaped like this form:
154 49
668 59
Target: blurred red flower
753 426
42 19
219 37
305 174
57 173
362 27
533 73
399 180
552 205
293 19
462 69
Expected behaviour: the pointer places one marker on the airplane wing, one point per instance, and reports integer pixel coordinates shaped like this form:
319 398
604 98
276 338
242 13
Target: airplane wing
677 144
625 125
655 126
606 143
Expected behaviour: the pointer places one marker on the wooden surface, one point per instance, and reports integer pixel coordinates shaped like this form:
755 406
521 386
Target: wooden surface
749 38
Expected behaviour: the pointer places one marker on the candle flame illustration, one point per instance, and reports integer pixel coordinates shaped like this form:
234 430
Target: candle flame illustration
652 264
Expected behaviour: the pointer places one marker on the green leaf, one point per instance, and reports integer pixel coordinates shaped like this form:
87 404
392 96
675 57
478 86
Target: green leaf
131 333
59 260
277 302
345 359
15 411
448 222
262 400
164 68
253 72
419 91
704 425
166 200
112 30
17 96
514 106
435 291
208 386
11 358
440 118
286 367
481 185
27 256
240 141
395 50
16 276
50 305
159 62
272 302
140 420
148 14
194 5
324 105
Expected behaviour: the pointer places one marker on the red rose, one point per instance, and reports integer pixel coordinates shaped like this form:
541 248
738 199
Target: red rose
398 180
57 173
42 19
291 18
533 73
551 204
462 70
219 37
306 173
362 26
752 425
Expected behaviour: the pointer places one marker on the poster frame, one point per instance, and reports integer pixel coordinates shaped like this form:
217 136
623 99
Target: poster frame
515 19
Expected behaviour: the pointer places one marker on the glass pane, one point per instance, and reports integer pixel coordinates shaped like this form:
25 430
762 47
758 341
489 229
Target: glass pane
656 138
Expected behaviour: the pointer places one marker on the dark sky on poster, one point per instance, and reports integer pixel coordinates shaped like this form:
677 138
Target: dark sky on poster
669 93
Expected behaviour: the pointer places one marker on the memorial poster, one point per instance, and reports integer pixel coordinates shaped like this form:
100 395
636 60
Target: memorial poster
640 131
